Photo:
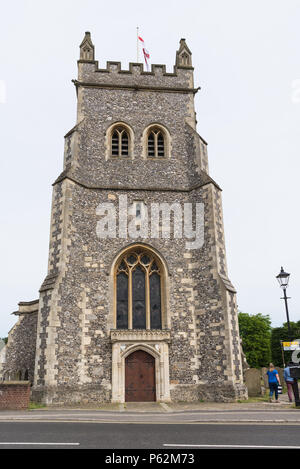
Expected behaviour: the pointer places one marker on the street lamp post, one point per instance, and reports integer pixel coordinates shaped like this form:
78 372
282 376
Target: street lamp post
283 279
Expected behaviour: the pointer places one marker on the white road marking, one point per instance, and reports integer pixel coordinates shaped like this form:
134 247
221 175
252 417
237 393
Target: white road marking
232 446
37 444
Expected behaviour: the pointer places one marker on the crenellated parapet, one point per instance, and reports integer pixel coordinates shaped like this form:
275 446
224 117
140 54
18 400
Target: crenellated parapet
90 75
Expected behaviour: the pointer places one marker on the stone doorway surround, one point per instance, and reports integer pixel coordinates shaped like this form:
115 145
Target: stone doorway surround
154 342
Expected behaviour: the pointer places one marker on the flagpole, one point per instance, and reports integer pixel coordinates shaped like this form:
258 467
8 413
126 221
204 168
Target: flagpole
137 45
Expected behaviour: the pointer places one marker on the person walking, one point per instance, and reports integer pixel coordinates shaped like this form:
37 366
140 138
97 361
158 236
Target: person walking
289 381
274 381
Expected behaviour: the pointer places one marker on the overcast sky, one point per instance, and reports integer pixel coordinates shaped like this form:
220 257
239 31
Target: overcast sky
247 61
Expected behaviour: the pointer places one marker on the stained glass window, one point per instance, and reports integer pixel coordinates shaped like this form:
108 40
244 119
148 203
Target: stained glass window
155 301
138 291
122 301
138 299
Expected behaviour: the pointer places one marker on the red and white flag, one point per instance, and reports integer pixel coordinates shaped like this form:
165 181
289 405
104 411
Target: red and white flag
145 52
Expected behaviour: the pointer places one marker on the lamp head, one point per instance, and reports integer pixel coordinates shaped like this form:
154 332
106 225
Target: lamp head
283 278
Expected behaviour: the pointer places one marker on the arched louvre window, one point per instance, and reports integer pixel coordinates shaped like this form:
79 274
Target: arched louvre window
156 143
119 142
138 291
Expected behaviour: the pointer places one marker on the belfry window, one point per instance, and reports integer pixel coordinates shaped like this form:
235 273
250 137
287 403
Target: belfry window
156 144
120 142
138 291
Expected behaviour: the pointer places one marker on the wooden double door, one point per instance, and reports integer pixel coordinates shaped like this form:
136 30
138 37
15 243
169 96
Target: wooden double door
140 377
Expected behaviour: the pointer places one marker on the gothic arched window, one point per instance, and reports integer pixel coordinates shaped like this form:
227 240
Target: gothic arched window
138 291
156 144
120 142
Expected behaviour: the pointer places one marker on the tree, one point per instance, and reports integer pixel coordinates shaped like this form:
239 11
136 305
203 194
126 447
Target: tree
255 331
282 334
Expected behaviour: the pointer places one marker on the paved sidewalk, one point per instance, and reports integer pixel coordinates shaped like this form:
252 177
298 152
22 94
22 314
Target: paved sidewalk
145 407
153 412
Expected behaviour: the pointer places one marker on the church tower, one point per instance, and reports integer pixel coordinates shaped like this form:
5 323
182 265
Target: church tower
137 304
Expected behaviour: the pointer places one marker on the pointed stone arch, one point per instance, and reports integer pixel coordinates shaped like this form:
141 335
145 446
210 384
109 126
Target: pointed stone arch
124 141
156 130
135 347
164 286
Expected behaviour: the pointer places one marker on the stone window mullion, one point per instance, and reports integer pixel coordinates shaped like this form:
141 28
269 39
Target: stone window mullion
130 299
120 143
155 143
147 286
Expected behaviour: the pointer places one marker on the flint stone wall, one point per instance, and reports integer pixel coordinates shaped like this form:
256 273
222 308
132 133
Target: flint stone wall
21 347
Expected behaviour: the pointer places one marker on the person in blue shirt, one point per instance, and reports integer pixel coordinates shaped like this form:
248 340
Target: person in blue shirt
289 381
274 381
